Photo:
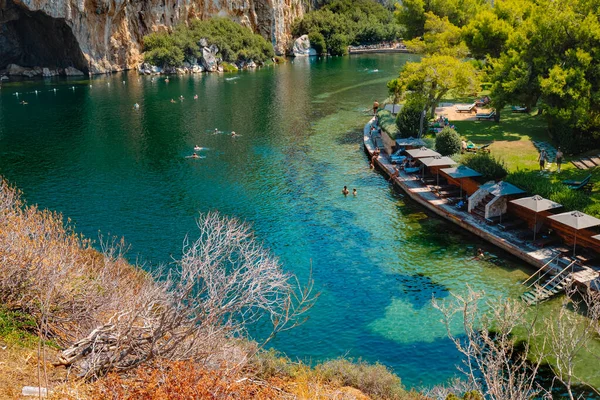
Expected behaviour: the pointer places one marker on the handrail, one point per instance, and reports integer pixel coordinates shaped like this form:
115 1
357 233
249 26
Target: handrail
539 270
559 274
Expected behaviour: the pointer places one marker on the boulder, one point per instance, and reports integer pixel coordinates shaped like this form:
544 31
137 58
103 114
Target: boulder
70 71
209 59
196 69
155 70
250 64
3 78
302 47
180 71
220 68
203 42
14 69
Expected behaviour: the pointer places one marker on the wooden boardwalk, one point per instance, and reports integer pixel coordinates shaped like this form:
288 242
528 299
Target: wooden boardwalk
422 194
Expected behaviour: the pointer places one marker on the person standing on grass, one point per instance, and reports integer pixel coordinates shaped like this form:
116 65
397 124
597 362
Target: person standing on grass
542 159
559 158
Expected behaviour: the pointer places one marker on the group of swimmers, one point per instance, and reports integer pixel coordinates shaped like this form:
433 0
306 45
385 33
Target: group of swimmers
346 192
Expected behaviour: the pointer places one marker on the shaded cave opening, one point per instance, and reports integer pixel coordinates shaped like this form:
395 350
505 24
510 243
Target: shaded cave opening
34 39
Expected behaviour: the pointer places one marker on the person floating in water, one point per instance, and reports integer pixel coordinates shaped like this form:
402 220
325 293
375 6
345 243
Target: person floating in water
181 98
173 101
479 254
24 102
136 106
354 192
233 134
195 97
197 148
195 155
345 191
216 131
167 80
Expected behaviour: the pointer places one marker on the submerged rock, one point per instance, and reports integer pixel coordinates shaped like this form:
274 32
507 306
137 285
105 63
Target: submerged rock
302 47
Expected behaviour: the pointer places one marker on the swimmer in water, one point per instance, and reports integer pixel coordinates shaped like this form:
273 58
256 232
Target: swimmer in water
197 148
173 101
167 80
195 155
216 131
136 106
181 98
196 97
233 134
354 192
24 102
345 191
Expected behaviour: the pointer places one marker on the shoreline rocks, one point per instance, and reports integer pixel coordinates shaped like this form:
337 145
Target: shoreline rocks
302 47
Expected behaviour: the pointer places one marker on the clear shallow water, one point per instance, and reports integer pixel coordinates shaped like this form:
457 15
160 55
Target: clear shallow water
377 259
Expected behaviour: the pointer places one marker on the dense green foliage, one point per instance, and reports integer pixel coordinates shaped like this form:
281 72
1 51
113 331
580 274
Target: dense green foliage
537 53
346 22
554 190
487 165
317 42
434 77
447 142
235 43
409 118
387 122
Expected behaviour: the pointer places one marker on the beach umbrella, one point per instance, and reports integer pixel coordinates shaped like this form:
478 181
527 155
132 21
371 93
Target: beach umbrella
422 152
438 161
575 220
459 173
536 204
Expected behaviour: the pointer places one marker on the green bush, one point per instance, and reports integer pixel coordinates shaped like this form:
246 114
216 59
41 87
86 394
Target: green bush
447 142
374 380
409 118
388 123
235 42
317 42
227 67
531 182
360 21
487 165
338 45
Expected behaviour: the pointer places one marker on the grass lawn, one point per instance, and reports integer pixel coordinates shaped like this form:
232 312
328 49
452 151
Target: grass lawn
511 138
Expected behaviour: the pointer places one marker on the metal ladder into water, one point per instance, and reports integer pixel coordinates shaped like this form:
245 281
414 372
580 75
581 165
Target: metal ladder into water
547 284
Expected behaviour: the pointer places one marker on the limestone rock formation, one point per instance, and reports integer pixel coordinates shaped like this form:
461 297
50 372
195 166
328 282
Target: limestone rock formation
302 47
209 59
99 36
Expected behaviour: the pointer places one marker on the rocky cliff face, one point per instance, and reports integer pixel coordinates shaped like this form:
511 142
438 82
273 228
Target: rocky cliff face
99 36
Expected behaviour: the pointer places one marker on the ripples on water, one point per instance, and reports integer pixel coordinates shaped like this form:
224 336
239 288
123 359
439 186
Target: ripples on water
377 259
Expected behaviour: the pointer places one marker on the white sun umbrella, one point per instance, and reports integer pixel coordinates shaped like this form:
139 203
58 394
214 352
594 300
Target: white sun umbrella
576 220
438 161
422 152
536 204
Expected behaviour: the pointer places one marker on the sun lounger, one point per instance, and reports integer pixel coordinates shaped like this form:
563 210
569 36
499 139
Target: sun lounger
510 225
486 116
412 170
475 149
519 109
465 108
576 185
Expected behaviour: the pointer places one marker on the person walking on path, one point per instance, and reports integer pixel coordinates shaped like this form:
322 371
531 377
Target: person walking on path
542 159
559 158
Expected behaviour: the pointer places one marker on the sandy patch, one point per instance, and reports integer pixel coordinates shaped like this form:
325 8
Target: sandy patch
449 111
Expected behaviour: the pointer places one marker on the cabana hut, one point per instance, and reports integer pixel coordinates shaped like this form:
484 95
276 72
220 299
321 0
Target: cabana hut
463 177
534 210
434 164
574 228
491 199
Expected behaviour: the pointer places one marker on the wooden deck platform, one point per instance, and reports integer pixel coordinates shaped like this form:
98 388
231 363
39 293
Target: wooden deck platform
422 194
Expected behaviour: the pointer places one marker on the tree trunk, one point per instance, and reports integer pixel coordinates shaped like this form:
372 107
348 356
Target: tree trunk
497 116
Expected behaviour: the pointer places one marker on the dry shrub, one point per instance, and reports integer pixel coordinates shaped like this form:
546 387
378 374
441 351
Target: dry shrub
182 380
374 380
114 317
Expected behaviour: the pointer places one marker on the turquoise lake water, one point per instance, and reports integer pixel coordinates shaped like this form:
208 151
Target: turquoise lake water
377 259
